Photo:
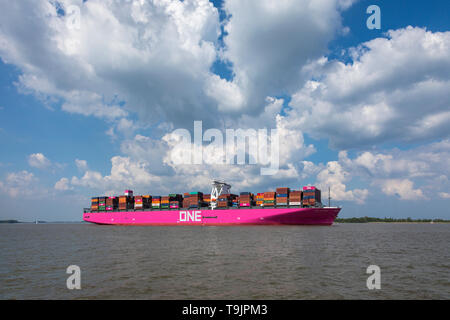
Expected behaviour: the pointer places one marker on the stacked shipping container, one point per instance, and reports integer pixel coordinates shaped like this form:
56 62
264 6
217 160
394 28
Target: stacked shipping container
165 202
94 204
311 196
138 204
235 202
282 196
269 199
186 200
207 199
123 202
146 201
245 199
295 198
260 199
224 201
195 199
175 200
156 202
101 203
112 203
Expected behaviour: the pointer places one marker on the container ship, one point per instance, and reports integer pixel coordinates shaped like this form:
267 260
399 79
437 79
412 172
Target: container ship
220 207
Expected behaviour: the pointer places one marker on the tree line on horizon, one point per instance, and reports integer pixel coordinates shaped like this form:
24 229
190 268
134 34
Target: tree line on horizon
385 219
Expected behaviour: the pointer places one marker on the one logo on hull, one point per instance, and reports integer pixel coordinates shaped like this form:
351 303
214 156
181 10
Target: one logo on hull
194 216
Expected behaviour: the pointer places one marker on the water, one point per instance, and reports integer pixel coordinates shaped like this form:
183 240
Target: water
258 262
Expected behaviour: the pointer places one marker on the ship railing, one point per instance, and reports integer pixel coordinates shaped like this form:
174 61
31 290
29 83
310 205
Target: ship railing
318 205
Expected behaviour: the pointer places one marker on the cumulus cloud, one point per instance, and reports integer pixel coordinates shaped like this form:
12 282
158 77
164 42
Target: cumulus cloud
335 177
38 160
151 61
125 173
154 163
19 184
403 188
430 161
81 164
394 89
268 43
419 173
396 171
92 104
149 57
153 58
62 184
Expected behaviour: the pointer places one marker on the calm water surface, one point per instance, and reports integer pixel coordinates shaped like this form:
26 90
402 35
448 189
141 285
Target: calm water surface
258 262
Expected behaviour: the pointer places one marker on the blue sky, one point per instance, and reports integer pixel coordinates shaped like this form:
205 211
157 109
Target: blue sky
90 110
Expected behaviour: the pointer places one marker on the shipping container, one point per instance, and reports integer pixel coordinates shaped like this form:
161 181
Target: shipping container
282 190
94 204
311 196
101 203
138 203
126 203
112 203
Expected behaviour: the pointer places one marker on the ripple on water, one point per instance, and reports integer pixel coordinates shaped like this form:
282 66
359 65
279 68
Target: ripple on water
225 262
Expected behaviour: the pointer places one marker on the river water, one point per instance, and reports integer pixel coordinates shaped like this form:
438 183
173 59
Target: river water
252 262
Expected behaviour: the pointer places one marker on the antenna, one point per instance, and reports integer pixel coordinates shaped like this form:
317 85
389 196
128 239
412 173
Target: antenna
329 197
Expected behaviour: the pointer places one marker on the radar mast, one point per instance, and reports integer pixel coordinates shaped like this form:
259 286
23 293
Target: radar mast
218 188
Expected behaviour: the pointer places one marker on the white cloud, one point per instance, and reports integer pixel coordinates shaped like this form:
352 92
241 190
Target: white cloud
20 184
444 195
419 173
91 104
334 176
81 164
148 165
152 58
395 89
396 171
38 160
268 43
228 95
62 184
429 161
125 173
402 188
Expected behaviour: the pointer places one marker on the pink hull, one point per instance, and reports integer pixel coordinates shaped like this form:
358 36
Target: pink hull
256 216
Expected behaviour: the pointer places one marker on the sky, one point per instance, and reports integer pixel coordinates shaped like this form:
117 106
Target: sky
93 93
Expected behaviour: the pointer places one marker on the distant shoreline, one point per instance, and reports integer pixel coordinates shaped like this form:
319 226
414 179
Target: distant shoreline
38 222
388 220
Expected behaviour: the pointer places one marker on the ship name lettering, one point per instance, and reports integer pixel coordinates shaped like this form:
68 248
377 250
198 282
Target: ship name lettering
187 215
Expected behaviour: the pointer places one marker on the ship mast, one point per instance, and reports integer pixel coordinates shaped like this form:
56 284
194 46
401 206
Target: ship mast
329 197
218 188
